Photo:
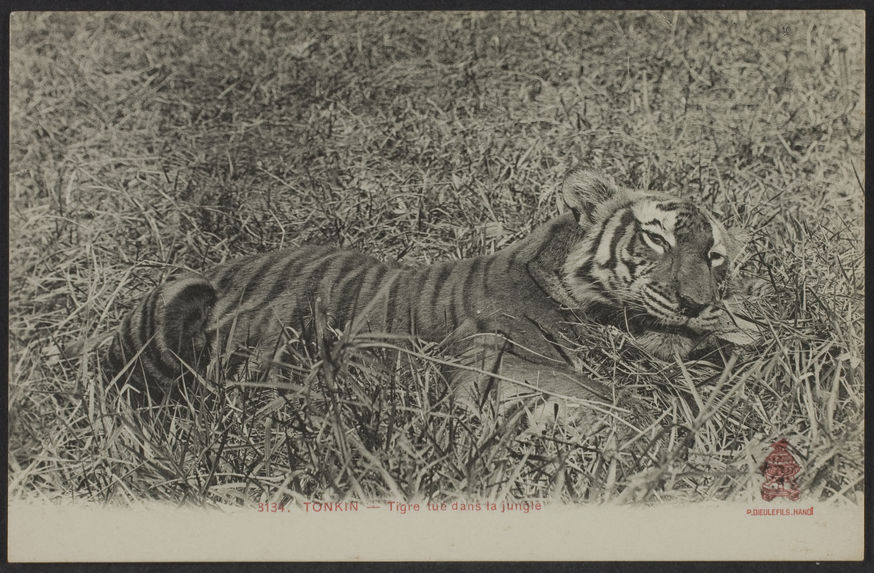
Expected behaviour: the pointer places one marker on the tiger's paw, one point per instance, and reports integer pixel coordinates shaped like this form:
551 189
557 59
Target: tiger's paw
736 324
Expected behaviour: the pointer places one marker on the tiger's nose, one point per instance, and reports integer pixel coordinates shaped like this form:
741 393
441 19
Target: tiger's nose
691 307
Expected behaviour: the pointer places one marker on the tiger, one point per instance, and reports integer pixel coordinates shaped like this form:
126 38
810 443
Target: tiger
653 264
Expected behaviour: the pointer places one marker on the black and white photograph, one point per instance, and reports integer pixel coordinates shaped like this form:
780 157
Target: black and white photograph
348 272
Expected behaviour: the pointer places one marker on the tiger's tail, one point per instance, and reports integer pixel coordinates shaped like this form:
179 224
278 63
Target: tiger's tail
164 337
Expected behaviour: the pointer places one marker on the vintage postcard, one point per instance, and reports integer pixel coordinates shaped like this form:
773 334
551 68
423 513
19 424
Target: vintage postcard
317 286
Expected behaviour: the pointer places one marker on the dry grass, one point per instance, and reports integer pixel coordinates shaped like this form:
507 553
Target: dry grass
144 143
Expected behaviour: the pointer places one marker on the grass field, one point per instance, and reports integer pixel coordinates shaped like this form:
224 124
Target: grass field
140 144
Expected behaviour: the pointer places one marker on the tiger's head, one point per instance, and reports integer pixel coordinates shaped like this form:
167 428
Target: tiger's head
664 262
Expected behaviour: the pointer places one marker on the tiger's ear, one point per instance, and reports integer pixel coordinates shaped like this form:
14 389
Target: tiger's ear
584 190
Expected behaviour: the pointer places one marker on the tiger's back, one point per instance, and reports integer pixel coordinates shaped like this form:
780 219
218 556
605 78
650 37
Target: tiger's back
248 304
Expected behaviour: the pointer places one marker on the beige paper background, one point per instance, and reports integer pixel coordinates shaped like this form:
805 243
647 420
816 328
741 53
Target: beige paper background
47 532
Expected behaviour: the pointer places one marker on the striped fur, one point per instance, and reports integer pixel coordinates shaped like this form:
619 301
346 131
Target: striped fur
654 264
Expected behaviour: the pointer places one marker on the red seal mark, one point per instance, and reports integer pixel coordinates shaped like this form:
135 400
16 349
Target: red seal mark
779 470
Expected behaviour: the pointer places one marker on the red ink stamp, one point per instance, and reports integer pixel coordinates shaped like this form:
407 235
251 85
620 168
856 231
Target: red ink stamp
779 470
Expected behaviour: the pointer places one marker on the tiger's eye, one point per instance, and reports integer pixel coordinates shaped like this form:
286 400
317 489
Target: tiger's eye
716 258
657 239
